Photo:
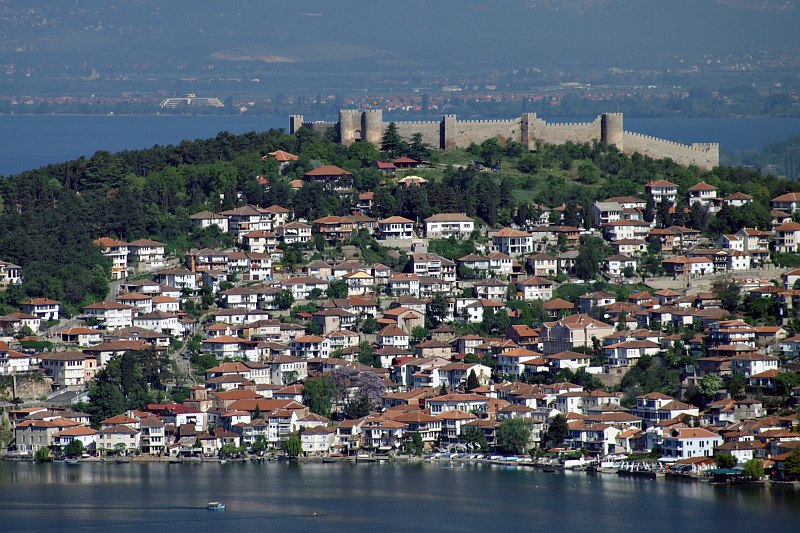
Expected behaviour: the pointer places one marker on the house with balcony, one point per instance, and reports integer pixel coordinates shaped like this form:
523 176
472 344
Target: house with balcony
626 229
404 284
685 443
542 264
334 228
534 288
179 278
118 252
789 202
152 436
206 219
491 289
247 218
513 242
705 195
161 322
751 363
147 254
573 332
433 265
260 241
81 336
655 407
110 315
294 232
69 369
310 347
331 177
44 308
662 190
395 227
617 264
302 286
786 238
446 225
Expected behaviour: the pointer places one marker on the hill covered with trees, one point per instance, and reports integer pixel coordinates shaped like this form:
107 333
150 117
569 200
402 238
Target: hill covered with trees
50 216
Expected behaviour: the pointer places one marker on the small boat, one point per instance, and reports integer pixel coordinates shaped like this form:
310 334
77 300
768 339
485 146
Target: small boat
71 461
548 468
223 461
215 506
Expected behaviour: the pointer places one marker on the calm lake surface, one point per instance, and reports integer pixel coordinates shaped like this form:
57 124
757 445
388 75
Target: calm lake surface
376 497
30 141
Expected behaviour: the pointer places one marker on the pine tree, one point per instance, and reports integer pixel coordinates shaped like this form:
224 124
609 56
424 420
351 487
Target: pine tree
472 381
391 141
650 210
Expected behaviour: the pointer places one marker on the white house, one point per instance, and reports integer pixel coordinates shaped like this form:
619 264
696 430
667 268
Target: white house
748 364
301 286
513 242
787 238
393 336
616 264
44 308
395 227
147 254
293 232
535 288
685 443
206 219
702 193
445 225
661 190
110 315
311 347
118 252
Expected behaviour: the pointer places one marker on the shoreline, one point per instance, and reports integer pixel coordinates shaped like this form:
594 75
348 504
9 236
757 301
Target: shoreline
543 467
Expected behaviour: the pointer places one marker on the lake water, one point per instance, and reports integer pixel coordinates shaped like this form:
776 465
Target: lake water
377 497
29 141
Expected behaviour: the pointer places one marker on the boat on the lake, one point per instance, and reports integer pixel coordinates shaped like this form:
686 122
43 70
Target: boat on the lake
215 506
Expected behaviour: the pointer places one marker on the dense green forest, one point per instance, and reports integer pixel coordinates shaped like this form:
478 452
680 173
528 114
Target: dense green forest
49 216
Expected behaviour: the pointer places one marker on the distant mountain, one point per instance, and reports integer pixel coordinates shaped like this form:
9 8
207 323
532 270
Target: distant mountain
44 43
581 7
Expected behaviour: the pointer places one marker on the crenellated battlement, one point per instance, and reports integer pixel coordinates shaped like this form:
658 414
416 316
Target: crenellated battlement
528 129
489 121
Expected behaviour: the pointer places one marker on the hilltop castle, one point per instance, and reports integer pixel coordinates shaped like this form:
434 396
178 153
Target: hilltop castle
448 133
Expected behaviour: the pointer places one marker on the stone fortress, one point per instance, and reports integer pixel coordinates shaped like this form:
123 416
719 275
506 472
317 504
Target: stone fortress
358 125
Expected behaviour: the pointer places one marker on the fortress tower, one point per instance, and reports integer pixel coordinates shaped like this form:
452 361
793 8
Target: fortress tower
295 123
372 126
528 130
612 129
349 126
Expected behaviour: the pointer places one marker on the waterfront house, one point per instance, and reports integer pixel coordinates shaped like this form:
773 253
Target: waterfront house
684 443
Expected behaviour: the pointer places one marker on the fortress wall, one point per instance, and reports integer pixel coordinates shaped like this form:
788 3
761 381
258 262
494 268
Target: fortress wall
466 132
450 133
430 130
320 127
702 155
577 132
